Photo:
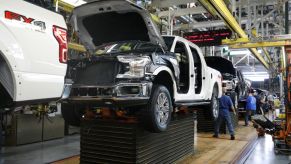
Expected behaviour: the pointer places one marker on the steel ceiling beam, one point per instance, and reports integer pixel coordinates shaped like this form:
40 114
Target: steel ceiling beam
181 12
267 54
245 3
204 24
223 12
261 44
169 3
208 7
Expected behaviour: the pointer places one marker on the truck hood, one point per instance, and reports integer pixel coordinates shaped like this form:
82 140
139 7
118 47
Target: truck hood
105 21
221 64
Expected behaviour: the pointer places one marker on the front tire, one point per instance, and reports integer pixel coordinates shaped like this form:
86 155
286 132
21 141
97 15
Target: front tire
157 114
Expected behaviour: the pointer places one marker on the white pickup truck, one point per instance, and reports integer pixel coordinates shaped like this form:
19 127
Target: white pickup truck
33 52
131 67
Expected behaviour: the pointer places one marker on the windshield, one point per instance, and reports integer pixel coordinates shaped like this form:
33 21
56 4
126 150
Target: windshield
128 46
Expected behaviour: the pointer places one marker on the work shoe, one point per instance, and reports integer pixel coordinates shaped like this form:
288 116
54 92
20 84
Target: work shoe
215 136
232 137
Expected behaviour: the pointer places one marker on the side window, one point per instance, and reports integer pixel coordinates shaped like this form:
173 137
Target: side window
183 59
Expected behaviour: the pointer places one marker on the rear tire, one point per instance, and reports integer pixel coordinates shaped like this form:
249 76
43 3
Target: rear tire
72 114
156 116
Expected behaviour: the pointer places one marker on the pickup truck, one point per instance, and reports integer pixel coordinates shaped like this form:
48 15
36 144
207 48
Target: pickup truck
131 67
232 79
33 52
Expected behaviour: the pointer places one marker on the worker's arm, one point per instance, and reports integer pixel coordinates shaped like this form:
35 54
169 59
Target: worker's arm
231 106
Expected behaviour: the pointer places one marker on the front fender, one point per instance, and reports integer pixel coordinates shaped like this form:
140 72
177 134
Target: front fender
168 70
215 79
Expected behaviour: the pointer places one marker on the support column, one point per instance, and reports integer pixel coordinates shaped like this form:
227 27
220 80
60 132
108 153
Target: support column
286 18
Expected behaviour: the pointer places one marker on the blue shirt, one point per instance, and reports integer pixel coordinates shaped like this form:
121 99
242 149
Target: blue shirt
225 104
251 103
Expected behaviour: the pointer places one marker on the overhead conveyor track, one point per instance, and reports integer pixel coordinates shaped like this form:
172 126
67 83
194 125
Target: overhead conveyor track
260 44
219 8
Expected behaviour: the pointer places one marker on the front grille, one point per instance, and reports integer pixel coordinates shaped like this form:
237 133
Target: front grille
98 73
92 91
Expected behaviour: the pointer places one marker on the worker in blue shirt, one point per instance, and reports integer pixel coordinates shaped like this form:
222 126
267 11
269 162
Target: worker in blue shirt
225 104
250 107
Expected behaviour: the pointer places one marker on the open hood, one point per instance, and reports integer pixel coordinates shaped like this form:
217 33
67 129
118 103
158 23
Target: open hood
221 64
106 21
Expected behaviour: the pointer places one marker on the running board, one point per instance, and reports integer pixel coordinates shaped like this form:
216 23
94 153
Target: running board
199 103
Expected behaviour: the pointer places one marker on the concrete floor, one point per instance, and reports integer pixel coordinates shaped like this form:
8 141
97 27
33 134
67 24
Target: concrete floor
44 152
263 153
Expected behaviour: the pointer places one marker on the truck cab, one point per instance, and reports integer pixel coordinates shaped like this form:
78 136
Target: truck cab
195 76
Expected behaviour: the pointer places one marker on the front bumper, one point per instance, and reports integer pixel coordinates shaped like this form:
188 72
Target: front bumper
121 94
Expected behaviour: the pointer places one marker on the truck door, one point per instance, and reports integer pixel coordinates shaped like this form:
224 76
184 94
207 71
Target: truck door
186 78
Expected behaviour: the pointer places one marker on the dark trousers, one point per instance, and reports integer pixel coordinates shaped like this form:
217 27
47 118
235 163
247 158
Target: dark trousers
1 138
248 115
228 124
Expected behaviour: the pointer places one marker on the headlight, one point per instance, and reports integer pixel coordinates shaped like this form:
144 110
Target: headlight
136 66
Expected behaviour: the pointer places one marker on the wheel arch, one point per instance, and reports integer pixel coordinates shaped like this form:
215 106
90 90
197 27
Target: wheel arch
166 78
215 85
219 89
6 76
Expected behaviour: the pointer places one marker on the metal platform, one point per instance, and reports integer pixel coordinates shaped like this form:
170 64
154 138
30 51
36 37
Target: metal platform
109 141
206 124
27 128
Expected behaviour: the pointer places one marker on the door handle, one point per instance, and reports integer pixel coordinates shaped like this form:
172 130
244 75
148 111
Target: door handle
192 75
203 78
